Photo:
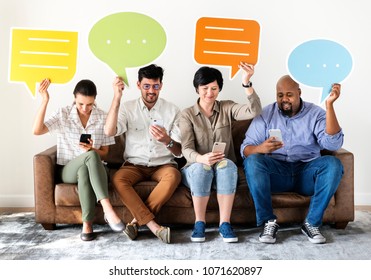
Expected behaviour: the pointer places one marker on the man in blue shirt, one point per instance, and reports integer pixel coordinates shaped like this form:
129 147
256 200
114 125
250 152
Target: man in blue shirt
295 163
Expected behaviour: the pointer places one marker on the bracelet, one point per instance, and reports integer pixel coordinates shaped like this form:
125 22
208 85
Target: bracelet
249 84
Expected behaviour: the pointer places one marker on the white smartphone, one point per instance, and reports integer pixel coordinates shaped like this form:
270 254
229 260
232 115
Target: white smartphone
276 133
158 122
218 147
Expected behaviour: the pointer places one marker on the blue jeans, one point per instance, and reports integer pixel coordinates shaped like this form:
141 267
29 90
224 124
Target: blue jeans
200 178
318 178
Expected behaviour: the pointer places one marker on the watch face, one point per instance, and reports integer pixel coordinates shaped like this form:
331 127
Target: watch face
171 144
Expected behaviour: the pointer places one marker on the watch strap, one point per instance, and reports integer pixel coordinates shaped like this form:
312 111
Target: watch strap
249 84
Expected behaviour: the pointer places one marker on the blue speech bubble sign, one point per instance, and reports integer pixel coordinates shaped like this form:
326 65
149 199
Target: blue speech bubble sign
320 63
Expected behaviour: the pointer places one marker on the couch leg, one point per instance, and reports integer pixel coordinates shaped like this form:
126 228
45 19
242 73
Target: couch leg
49 226
341 225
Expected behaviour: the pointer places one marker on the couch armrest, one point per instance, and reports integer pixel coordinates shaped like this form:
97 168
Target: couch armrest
44 185
344 196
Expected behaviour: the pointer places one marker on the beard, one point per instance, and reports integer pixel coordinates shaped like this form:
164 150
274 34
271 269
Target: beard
150 98
286 109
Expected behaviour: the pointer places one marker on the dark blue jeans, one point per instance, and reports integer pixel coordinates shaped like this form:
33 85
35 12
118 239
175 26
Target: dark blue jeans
318 178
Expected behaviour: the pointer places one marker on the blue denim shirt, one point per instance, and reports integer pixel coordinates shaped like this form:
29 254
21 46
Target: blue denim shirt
303 135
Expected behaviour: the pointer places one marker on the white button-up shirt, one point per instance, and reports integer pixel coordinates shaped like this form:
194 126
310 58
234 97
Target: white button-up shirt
134 120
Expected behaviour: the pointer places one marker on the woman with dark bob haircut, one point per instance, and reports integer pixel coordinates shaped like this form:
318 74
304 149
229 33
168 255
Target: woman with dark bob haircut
80 161
205 123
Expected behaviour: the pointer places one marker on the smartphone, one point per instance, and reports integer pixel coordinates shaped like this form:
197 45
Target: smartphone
276 133
218 147
158 122
84 138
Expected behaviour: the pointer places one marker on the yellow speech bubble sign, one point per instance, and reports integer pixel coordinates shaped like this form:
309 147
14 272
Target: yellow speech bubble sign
40 54
224 41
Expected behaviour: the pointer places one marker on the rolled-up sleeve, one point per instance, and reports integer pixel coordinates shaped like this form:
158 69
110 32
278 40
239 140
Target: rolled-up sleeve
332 142
121 121
175 132
188 137
249 110
254 134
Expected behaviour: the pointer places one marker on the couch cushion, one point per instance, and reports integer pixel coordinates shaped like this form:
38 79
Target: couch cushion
66 195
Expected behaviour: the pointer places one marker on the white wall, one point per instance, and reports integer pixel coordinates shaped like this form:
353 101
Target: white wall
284 24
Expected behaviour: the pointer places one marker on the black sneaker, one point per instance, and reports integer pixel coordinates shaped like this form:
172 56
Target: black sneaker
269 232
313 233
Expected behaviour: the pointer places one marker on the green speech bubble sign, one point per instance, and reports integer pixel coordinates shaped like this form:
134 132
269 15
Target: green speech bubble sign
125 40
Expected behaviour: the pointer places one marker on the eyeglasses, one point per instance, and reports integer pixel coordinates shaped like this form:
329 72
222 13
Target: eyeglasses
148 86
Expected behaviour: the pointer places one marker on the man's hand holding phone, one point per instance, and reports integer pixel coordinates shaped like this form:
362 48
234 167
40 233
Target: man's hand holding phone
276 134
158 131
158 122
274 142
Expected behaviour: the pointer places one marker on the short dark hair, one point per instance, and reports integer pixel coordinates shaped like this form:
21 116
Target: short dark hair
206 75
152 72
86 88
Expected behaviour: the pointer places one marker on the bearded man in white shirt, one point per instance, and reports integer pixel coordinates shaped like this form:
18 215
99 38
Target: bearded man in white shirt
152 141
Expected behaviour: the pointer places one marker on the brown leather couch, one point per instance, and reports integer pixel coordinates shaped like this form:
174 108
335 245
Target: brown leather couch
58 203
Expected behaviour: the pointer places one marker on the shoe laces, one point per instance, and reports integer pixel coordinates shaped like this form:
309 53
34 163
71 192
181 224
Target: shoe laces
270 227
313 230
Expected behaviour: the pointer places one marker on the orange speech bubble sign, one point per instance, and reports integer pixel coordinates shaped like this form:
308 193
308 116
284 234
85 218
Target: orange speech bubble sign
223 41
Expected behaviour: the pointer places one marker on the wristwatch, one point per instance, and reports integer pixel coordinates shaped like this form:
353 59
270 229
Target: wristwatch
249 84
171 144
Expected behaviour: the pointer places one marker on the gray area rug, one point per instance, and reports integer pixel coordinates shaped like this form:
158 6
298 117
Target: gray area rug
22 239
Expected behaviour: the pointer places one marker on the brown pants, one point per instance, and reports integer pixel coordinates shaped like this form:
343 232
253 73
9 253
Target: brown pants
168 178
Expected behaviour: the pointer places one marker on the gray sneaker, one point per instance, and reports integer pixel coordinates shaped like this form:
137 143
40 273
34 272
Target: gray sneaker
313 233
131 231
163 234
269 232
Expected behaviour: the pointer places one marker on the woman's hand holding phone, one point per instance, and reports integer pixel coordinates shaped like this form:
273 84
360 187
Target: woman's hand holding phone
85 142
216 154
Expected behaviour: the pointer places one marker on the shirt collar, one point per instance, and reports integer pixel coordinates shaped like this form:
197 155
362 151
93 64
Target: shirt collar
75 116
196 107
156 107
